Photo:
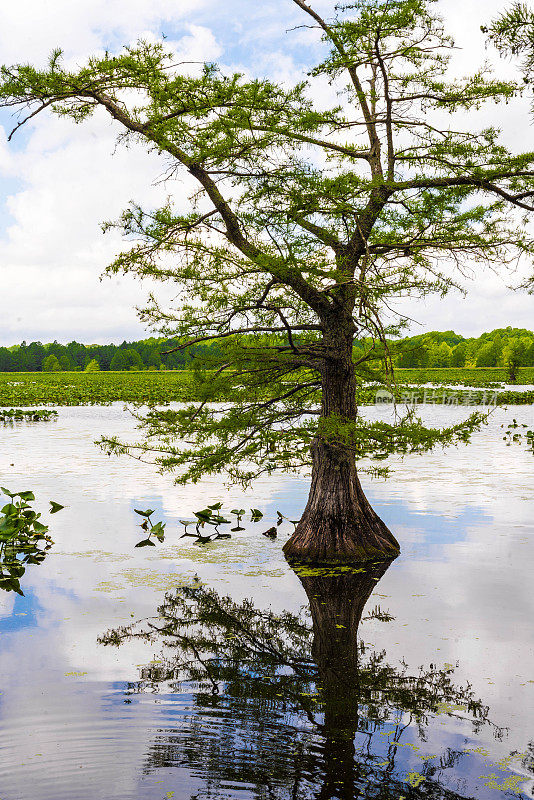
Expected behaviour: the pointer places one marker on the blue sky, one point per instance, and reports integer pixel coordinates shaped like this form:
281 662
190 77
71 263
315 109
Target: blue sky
59 181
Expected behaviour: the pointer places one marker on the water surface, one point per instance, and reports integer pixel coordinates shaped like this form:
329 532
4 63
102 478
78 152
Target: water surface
81 719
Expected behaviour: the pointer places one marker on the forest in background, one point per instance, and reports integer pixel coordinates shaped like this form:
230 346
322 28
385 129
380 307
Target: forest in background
433 349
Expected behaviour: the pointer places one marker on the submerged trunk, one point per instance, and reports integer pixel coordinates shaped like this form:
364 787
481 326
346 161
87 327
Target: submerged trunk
336 603
338 524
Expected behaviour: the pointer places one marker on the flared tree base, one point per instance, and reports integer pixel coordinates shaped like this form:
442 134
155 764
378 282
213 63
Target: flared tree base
348 542
338 524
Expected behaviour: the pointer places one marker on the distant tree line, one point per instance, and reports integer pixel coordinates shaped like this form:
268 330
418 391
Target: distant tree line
500 348
55 357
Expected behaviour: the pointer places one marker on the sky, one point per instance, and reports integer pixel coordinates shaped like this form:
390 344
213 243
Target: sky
60 181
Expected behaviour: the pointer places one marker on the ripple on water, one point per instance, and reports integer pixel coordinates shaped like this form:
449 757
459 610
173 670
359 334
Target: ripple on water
460 594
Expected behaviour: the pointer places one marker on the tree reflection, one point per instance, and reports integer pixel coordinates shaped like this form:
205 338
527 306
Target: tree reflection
15 555
288 709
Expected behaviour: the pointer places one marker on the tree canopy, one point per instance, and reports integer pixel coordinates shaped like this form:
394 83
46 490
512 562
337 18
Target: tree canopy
513 34
310 219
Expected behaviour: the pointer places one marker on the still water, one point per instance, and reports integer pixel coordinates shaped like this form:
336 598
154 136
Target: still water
413 680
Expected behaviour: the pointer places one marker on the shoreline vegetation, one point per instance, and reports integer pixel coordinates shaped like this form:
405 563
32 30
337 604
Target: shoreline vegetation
432 350
155 371
468 386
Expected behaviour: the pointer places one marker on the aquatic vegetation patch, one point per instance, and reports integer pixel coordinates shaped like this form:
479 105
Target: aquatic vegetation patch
414 779
154 387
94 388
304 570
509 784
466 376
139 578
8 415
206 524
23 539
516 433
436 395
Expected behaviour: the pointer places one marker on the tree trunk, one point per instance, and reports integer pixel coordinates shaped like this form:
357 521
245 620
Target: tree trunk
337 602
338 524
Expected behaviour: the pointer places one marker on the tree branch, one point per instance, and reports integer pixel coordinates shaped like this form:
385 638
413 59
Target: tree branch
318 231
290 276
369 122
347 151
26 119
256 329
389 126
482 183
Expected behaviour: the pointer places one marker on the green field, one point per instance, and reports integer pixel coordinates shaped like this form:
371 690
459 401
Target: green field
93 388
468 376
101 388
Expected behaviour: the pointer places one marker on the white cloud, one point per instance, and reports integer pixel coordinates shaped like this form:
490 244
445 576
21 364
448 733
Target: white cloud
54 251
31 29
72 177
490 303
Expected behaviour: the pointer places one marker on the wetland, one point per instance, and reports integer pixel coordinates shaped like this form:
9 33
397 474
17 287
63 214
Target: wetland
215 670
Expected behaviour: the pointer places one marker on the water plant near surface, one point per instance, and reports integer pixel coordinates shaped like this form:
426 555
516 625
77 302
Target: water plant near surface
209 517
517 433
93 388
29 415
23 538
156 530
161 388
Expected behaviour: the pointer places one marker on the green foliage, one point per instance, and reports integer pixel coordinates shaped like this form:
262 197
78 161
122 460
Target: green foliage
28 415
436 349
66 364
458 355
96 388
23 539
160 388
51 364
92 366
211 516
146 353
119 362
515 357
311 221
378 440
517 433
422 350
487 377
515 398
512 33
126 359
154 529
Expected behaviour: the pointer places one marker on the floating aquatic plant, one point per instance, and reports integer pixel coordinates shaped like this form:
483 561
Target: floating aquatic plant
206 527
29 415
515 433
23 538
